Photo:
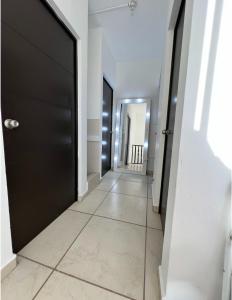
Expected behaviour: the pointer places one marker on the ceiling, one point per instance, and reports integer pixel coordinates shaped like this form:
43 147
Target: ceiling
137 37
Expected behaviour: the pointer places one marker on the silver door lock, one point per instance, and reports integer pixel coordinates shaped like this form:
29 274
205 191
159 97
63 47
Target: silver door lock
11 124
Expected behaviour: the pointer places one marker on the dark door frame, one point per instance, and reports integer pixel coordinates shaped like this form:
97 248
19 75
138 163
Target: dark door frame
182 6
111 123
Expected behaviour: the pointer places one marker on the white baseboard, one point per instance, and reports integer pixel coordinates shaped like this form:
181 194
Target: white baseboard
161 283
83 194
9 267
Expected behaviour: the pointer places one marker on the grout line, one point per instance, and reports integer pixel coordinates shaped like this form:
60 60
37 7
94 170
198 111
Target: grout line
123 221
94 284
37 262
43 285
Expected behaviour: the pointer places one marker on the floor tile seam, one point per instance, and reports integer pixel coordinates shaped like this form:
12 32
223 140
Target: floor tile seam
93 284
114 219
129 195
53 269
145 249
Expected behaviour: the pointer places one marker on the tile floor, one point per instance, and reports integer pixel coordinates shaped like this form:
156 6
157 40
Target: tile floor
107 247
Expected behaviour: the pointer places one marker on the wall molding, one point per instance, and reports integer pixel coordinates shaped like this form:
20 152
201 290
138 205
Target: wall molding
9 267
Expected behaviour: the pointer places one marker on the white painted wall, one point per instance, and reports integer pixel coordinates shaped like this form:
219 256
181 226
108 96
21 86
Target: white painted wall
76 12
100 63
139 79
199 198
95 73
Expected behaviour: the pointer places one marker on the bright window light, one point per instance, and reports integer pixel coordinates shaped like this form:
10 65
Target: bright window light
104 143
139 100
103 157
118 114
105 114
104 129
116 143
204 64
117 129
127 101
145 145
115 158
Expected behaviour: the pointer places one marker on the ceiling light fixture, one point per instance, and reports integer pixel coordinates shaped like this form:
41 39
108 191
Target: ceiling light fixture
132 4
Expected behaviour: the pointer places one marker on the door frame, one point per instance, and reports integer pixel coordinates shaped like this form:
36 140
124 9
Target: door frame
117 132
111 130
54 9
163 106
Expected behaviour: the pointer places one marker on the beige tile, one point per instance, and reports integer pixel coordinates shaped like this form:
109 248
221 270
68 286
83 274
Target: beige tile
107 184
133 178
149 191
153 260
111 254
153 218
50 245
123 207
62 287
138 189
24 281
112 175
90 202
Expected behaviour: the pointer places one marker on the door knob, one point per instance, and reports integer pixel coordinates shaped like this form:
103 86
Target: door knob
167 131
11 124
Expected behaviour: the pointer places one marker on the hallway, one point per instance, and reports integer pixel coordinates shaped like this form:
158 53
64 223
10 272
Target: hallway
106 247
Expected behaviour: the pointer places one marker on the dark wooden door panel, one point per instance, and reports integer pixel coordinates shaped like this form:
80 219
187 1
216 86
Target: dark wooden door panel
107 123
174 81
40 29
38 90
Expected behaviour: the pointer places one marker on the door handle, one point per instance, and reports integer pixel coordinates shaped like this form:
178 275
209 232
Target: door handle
167 131
11 124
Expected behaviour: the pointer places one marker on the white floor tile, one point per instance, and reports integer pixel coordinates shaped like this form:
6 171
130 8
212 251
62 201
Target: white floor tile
63 287
138 189
133 178
153 260
123 207
153 218
90 203
111 254
107 184
51 244
24 281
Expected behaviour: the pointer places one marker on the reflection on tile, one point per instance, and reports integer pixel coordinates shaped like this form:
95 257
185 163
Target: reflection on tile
24 281
107 184
153 260
123 207
50 245
153 218
111 254
138 189
63 287
90 202
133 177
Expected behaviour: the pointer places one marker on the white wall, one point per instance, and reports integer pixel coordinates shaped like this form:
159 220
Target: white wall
76 12
200 185
95 73
140 79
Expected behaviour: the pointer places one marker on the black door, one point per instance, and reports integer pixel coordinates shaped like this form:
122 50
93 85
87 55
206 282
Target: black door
106 126
177 45
38 90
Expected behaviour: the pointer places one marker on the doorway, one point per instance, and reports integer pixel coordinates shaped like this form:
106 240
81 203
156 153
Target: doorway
107 107
131 143
39 116
168 132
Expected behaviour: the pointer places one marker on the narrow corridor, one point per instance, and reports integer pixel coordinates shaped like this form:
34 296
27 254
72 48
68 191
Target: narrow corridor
106 247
